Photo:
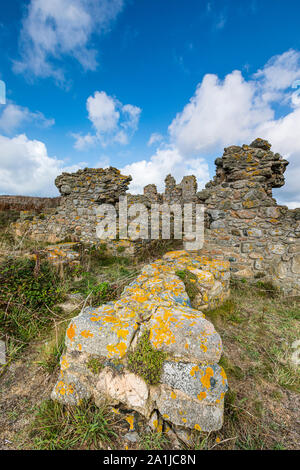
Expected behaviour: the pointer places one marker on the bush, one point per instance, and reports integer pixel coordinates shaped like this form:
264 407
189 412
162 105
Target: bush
26 299
18 283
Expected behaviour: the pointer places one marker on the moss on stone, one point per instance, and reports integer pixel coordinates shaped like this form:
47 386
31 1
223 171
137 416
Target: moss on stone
146 361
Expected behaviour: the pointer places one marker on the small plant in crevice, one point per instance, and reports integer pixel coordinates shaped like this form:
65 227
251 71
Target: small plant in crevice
95 365
146 361
189 279
154 441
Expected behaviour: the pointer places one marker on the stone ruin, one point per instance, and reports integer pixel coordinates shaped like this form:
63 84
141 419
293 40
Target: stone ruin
243 223
247 235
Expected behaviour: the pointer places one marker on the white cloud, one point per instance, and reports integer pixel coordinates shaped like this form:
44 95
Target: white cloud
280 72
284 135
14 116
112 121
53 30
103 114
220 113
154 139
227 112
133 114
26 168
83 141
163 162
235 111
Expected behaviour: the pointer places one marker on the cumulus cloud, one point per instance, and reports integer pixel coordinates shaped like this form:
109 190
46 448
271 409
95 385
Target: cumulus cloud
53 30
164 161
280 72
27 169
14 116
221 112
283 133
235 111
232 111
111 120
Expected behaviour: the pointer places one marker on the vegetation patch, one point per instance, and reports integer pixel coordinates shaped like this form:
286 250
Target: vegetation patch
154 441
36 285
146 361
57 427
7 217
267 289
95 365
229 311
28 294
231 369
89 286
190 280
52 349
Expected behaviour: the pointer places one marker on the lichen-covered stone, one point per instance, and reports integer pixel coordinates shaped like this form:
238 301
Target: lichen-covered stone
181 410
99 331
184 334
100 343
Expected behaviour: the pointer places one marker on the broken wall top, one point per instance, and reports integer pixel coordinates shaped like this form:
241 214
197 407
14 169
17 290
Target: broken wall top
93 184
255 162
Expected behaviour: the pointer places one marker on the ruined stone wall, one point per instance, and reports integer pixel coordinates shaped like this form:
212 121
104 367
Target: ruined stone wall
244 223
184 192
76 217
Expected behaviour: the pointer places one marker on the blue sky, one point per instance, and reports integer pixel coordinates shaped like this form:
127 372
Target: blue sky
150 87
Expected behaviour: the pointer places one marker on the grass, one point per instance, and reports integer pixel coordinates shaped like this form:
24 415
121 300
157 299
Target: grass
154 441
30 290
52 349
102 277
57 427
228 311
258 326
